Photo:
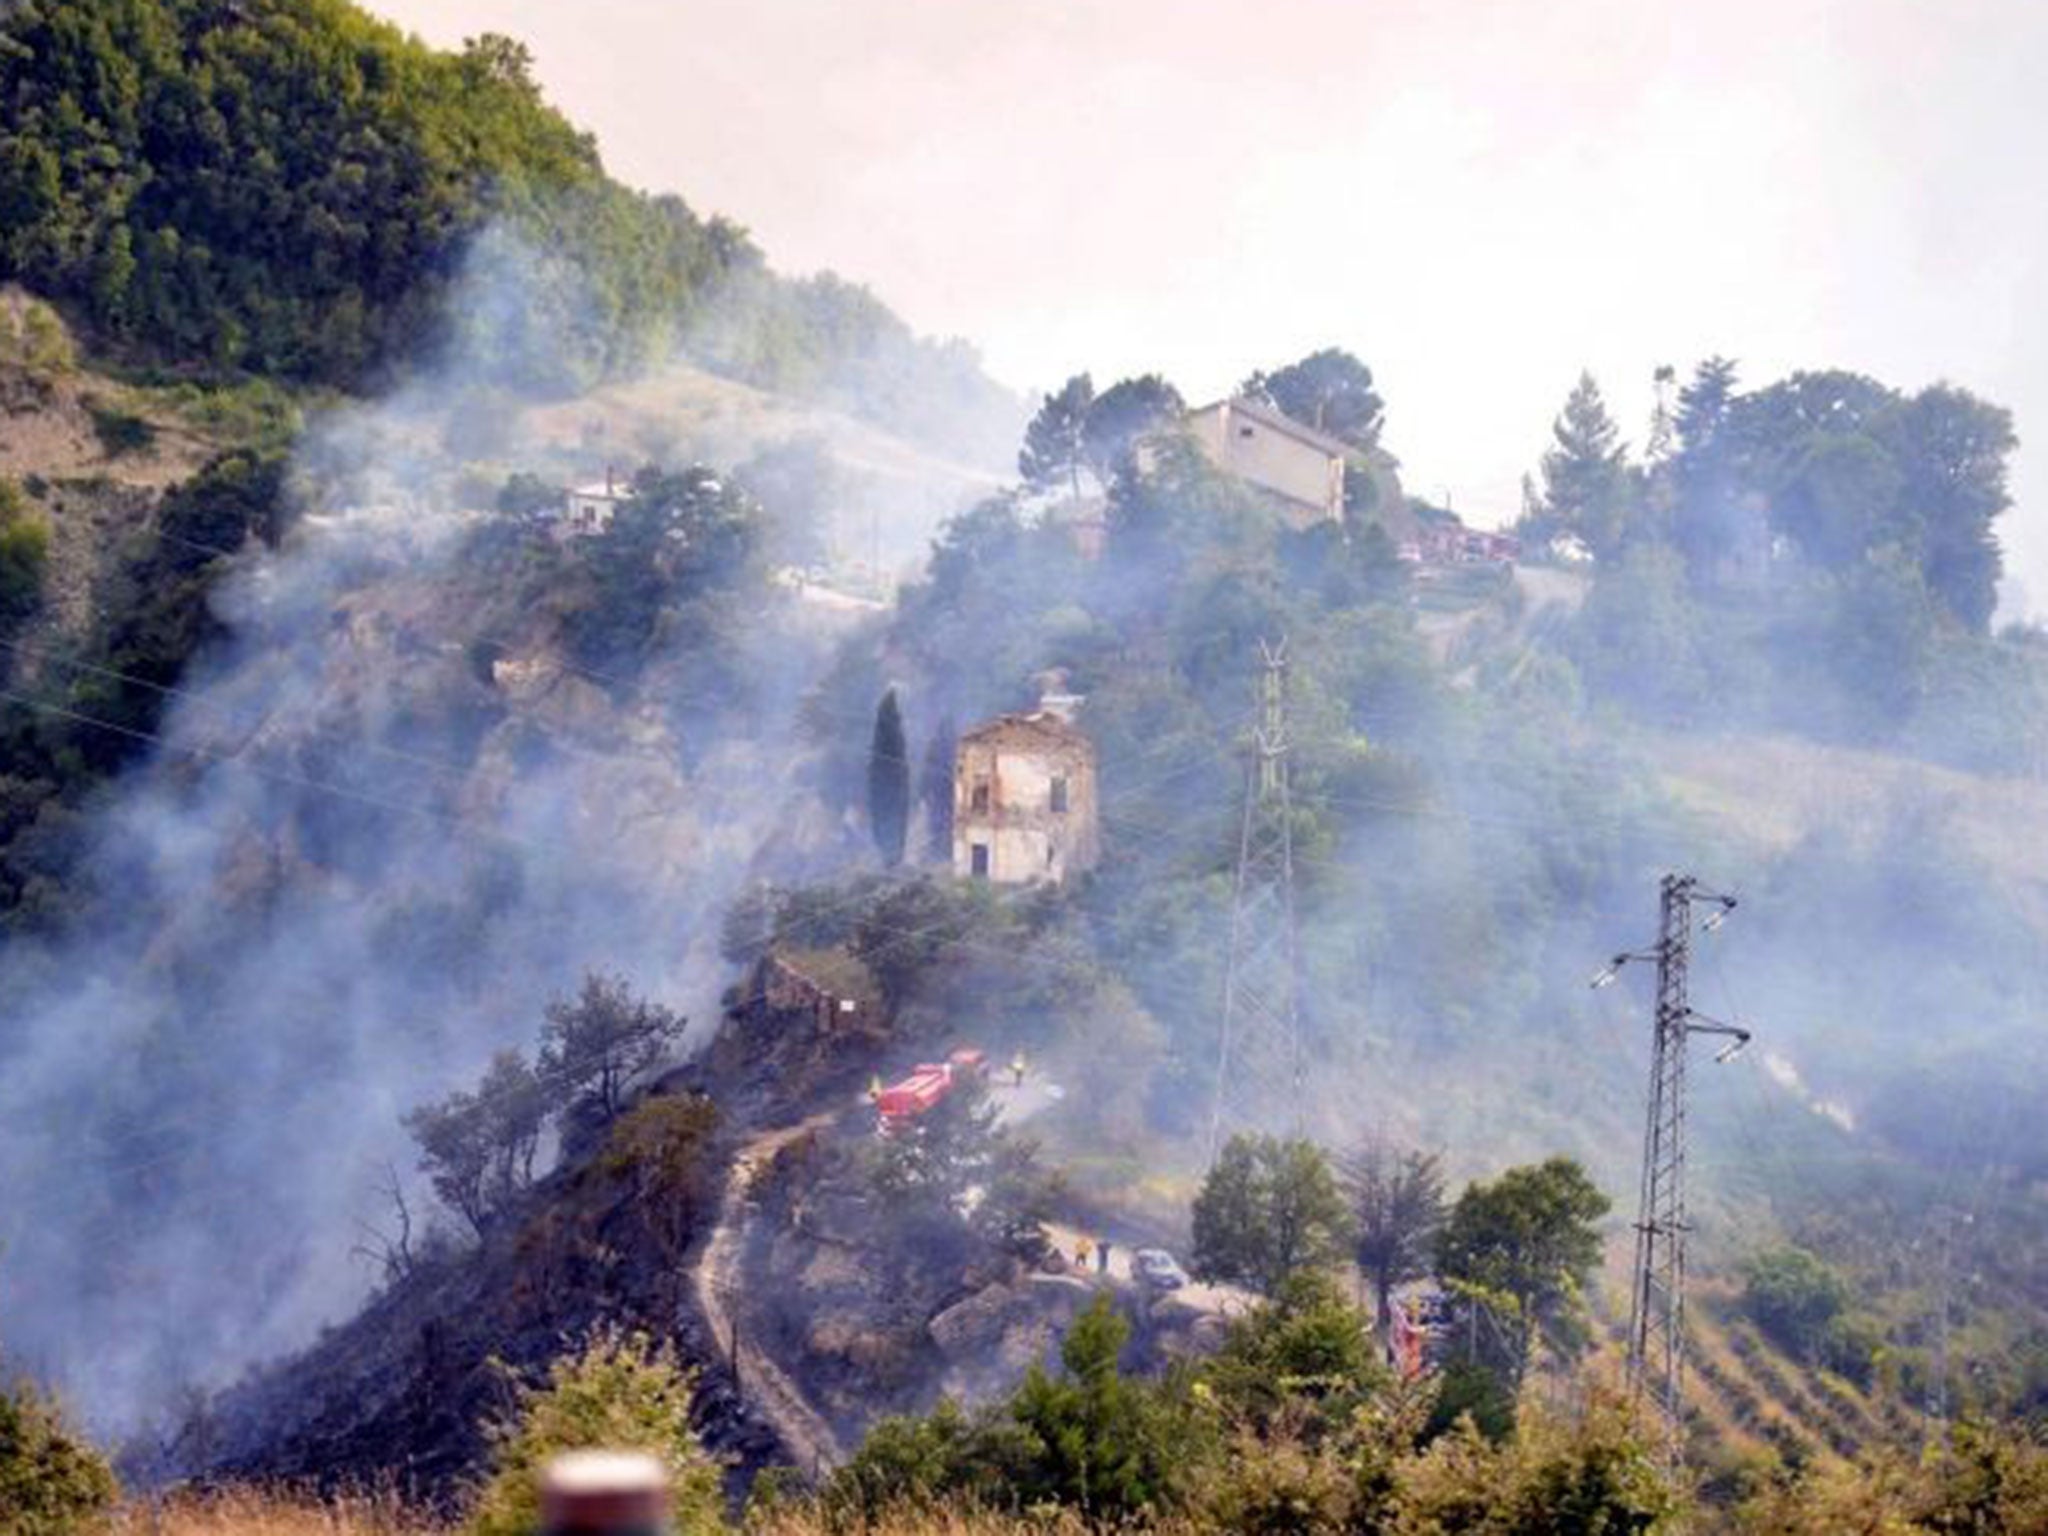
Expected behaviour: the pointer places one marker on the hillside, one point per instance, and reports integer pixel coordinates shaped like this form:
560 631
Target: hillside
295 189
492 843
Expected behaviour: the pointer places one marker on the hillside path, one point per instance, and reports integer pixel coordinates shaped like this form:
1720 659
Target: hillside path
762 1384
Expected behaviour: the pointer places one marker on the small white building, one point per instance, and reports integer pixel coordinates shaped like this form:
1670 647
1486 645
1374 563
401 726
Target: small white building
589 509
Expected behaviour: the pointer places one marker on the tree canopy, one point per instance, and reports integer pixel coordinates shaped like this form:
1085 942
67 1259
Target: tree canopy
1397 1202
1529 1237
1587 487
294 188
1329 390
1268 1209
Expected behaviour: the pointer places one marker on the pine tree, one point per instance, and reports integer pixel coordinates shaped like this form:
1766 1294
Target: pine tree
1707 518
1587 487
889 782
1397 1201
1329 390
1052 450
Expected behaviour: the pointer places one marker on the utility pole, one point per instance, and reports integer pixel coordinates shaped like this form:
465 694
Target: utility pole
1258 1067
1656 1328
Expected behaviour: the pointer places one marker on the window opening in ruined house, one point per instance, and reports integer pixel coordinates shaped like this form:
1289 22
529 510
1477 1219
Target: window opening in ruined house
1048 858
1059 792
981 796
979 855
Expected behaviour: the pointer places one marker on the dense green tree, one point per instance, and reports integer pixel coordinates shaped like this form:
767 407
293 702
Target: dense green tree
909 926
1329 390
51 1481
889 782
1794 1295
1055 443
1268 1208
1812 446
909 1462
1953 449
677 542
295 188
24 552
1307 1356
1397 1208
1120 417
1092 1437
1588 488
1879 636
1529 1238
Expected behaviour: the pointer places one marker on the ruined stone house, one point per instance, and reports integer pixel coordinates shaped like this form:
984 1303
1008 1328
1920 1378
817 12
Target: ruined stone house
1024 800
1296 466
830 986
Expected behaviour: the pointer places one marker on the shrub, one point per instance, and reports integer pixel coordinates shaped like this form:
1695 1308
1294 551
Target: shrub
50 1481
1794 1297
24 553
621 1393
120 432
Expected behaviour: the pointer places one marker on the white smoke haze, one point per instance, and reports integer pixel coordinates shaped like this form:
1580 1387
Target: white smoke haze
362 858
1786 1076
371 848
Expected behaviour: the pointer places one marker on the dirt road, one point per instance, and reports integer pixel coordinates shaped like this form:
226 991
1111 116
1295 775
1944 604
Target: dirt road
763 1384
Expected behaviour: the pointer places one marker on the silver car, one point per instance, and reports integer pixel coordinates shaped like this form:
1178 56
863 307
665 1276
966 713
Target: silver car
1155 1267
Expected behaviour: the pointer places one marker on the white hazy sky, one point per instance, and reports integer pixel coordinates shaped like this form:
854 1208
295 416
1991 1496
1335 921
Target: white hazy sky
1478 197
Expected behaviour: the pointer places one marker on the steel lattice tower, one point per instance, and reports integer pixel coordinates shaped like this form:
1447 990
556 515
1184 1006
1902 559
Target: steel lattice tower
1258 1068
1656 1328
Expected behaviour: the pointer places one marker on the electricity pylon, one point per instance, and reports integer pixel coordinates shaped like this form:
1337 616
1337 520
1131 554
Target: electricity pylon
1258 1068
1656 1327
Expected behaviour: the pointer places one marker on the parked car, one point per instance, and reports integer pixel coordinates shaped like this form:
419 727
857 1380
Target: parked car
1155 1267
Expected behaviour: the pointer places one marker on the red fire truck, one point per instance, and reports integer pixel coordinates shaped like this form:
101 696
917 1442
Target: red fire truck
898 1105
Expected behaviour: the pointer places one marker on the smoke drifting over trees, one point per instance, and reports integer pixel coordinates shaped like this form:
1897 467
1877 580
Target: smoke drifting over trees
408 772
394 805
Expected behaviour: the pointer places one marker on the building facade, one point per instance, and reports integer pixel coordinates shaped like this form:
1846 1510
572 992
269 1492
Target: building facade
589 509
1297 466
1024 805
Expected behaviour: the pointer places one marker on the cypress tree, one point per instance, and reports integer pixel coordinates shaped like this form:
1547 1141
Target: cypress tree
889 782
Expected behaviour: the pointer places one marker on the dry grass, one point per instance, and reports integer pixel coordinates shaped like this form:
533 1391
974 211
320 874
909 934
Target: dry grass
947 1522
248 1512
252 1512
